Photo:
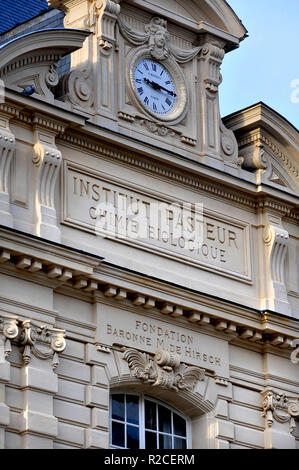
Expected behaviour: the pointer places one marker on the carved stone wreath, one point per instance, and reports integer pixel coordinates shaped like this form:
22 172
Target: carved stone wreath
164 370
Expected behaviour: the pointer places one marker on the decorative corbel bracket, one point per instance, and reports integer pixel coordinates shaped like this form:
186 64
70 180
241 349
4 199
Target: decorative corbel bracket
280 408
42 341
212 56
106 12
47 161
276 240
164 370
218 141
7 148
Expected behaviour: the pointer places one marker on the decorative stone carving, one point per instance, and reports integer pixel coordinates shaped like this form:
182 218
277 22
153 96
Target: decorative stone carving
47 160
165 370
156 128
42 341
295 353
276 240
262 156
107 12
259 139
9 330
254 157
158 39
76 87
212 56
279 407
7 148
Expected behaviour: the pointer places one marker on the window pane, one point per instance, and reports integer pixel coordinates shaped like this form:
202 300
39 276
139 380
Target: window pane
179 425
118 434
150 440
164 419
180 443
132 409
132 437
118 407
165 442
150 415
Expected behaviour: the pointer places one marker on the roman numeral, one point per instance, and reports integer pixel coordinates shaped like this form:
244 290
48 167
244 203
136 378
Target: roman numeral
154 106
167 101
146 100
161 73
145 66
140 71
163 107
138 80
167 83
140 90
154 67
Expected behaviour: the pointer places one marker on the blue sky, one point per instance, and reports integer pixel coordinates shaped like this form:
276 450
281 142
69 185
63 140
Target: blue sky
267 62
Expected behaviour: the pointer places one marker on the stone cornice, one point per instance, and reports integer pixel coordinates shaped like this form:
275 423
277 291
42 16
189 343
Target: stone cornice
181 171
84 274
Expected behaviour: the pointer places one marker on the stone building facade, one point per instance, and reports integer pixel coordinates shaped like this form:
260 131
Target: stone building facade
149 261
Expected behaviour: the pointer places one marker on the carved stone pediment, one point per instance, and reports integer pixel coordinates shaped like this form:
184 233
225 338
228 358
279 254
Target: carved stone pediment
164 370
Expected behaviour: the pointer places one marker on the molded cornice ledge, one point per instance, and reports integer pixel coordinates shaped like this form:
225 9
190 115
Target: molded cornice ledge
86 276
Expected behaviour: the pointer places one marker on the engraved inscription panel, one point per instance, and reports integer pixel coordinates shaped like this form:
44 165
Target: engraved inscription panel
206 239
118 327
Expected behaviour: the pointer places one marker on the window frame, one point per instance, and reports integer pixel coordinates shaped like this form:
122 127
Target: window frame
142 397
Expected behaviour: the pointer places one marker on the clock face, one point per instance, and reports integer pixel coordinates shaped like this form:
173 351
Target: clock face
154 86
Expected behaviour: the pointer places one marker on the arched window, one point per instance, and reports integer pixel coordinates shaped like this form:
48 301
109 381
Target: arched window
141 422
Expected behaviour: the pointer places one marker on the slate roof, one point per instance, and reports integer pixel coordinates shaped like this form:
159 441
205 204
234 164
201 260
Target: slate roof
16 12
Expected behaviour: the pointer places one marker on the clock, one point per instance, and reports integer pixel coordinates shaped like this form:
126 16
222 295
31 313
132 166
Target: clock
154 86
157 86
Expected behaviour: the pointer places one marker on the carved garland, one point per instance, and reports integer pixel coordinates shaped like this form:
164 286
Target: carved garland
165 370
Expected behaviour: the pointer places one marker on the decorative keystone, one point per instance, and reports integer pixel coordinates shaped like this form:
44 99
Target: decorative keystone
165 370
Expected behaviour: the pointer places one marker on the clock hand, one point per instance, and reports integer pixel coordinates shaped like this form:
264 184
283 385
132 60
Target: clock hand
156 86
